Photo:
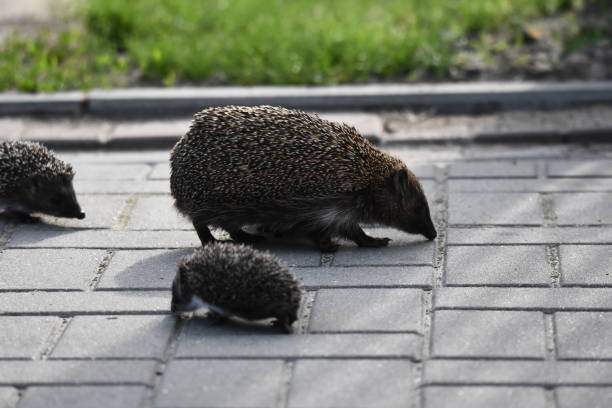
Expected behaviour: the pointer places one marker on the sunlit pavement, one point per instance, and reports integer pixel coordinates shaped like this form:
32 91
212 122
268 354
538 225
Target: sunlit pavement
511 306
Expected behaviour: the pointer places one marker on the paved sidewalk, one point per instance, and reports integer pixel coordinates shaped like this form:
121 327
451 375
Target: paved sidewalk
511 306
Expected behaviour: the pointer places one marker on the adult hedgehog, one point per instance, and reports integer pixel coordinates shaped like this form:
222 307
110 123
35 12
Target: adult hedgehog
290 171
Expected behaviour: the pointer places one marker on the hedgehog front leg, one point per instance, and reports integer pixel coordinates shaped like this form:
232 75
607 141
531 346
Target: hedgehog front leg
201 227
357 234
239 235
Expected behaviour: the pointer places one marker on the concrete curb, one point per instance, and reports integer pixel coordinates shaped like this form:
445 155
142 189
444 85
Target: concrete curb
444 98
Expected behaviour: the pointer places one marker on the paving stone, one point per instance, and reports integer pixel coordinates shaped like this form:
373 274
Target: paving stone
529 185
404 249
495 209
50 303
584 208
157 213
115 337
65 131
122 187
200 339
293 255
580 168
485 397
9 397
141 130
490 334
143 269
160 171
338 310
221 383
586 265
580 397
83 397
366 276
32 238
10 129
584 335
48 269
102 212
541 373
24 337
494 169
124 372
111 171
523 298
352 383
367 124
497 265
506 235
106 156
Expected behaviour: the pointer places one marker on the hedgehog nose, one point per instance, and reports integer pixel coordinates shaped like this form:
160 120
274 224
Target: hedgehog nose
81 215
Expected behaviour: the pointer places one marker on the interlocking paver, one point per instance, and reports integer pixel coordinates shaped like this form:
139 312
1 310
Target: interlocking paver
583 208
579 397
142 269
75 372
338 310
293 256
122 186
83 397
9 397
156 213
494 169
101 212
349 383
580 168
495 209
484 397
366 276
586 265
497 265
507 235
25 337
471 333
48 268
111 171
202 340
529 185
115 337
160 171
220 383
584 335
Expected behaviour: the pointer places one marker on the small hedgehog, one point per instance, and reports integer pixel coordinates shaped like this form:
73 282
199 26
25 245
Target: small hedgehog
32 179
287 171
236 280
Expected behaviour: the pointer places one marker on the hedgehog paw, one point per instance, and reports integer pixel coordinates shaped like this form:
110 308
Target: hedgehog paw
284 324
245 237
374 242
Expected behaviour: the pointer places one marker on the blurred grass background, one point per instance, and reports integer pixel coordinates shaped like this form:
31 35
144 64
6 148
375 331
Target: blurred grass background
247 42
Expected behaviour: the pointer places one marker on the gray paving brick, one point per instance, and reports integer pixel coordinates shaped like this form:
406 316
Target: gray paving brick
485 397
156 213
491 334
24 337
10 128
523 298
64 131
48 269
404 249
367 124
580 168
106 156
83 397
111 171
449 372
161 171
584 335
102 212
350 383
495 208
115 337
50 303
9 397
586 265
497 265
122 187
293 255
337 310
203 340
424 171
28 237
149 129
506 235
366 276
143 269
584 208
221 383
529 185
76 372
580 397
495 169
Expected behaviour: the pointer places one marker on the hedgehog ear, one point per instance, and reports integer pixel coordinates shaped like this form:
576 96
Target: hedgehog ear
401 182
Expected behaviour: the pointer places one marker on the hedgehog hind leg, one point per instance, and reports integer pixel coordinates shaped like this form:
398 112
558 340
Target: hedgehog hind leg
357 234
201 227
323 241
239 235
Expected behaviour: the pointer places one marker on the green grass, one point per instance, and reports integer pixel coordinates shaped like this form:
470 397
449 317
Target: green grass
247 42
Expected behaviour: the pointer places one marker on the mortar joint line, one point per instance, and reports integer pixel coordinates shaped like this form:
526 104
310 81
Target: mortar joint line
102 266
418 384
287 372
54 337
7 234
326 259
548 209
441 223
550 334
554 264
126 212
306 305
